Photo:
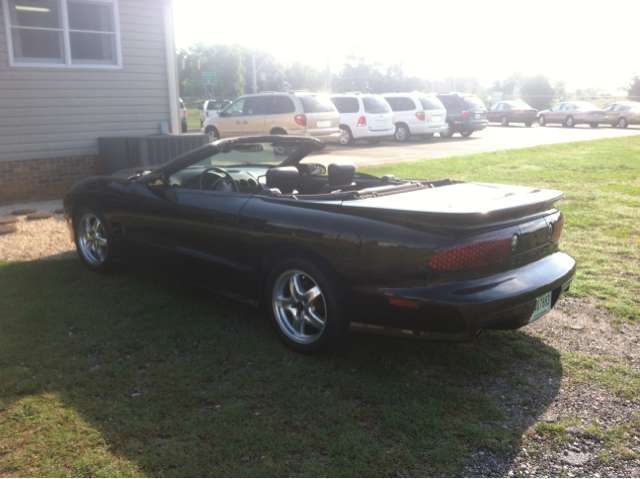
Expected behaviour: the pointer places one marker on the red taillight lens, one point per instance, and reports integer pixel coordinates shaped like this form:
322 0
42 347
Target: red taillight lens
473 253
185 113
557 228
420 115
301 120
362 121
207 113
465 114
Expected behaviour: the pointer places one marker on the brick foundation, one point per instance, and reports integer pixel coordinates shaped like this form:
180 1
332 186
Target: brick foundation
46 179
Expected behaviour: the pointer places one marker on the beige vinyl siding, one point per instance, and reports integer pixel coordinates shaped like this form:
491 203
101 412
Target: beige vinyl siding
57 112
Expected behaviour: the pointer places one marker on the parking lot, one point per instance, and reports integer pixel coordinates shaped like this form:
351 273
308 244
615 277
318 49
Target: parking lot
493 138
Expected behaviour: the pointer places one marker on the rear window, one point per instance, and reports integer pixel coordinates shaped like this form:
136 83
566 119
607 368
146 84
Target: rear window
474 102
375 104
316 104
519 105
400 103
345 104
431 103
449 102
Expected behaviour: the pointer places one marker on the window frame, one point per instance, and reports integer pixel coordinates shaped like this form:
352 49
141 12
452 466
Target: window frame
67 61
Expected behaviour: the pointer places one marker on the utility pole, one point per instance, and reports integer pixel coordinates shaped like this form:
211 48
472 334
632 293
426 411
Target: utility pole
255 80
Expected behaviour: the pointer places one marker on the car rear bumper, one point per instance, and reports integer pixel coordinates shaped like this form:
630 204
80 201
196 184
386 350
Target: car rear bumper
426 128
330 136
471 125
459 311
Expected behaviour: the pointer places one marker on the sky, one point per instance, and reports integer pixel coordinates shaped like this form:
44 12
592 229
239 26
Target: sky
588 44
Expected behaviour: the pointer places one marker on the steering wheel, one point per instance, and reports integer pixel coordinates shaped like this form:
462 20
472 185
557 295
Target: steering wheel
228 179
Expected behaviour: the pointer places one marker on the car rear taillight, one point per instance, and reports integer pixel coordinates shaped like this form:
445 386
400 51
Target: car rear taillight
516 111
362 121
301 120
465 114
185 113
557 229
420 115
474 253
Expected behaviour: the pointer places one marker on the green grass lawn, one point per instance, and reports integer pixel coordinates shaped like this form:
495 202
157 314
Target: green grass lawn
135 374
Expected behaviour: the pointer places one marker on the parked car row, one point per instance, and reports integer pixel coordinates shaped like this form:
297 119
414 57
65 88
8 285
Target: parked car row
346 117
568 113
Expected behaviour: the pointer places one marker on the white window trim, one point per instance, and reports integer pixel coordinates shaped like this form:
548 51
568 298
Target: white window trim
67 44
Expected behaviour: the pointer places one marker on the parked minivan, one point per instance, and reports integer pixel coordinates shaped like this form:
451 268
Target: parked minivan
416 114
363 116
292 113
465 114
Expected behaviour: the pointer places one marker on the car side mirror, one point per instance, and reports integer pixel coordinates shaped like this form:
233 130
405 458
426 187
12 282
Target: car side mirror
314 168
222 113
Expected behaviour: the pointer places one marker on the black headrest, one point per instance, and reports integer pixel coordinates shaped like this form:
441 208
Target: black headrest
285 178
341 173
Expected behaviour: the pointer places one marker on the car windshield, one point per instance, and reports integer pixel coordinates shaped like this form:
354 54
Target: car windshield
375 104
252 154
316 104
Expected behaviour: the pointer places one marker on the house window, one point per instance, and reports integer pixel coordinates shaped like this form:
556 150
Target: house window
63 33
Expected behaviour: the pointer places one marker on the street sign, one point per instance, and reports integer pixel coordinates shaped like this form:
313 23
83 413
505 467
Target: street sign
208 78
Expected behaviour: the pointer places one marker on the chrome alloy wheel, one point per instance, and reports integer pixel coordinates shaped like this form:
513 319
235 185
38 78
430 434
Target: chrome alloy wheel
345 137
401 133
299 306
92 239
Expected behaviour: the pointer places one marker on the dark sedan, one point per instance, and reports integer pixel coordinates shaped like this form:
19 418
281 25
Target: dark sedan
258 219
506 112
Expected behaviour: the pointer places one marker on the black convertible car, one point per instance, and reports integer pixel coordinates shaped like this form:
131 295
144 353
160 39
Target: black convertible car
324 249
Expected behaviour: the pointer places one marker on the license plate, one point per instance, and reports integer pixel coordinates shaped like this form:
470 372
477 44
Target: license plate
543 306
479 115
380 124
435 118
324 123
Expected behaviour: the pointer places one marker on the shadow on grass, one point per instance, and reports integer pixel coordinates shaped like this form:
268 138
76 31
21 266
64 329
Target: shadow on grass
135 374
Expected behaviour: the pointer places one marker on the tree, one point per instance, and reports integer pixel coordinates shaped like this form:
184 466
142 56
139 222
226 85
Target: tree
357 75
537 91
305 77
224 60
633 92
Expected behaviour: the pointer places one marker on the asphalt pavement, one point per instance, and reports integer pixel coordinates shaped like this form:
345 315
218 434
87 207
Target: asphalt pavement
493 138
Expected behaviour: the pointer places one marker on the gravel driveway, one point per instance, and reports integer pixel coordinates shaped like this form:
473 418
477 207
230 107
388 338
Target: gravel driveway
576 325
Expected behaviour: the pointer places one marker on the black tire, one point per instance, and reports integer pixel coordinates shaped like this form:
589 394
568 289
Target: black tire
427 137
346 137
593 125
569 122
448 133
504 121
466 134
542 121
184 127
201 123
94 241
309 336
528 124
213 133
402 133
622 122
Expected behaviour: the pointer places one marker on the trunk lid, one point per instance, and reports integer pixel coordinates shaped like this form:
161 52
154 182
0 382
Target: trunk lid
459 205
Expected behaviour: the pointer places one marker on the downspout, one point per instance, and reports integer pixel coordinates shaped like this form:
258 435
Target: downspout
172 69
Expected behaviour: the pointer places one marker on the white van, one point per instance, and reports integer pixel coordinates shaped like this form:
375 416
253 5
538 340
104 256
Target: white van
416 114
363 116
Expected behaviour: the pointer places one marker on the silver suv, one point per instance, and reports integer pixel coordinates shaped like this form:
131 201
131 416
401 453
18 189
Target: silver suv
291 113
